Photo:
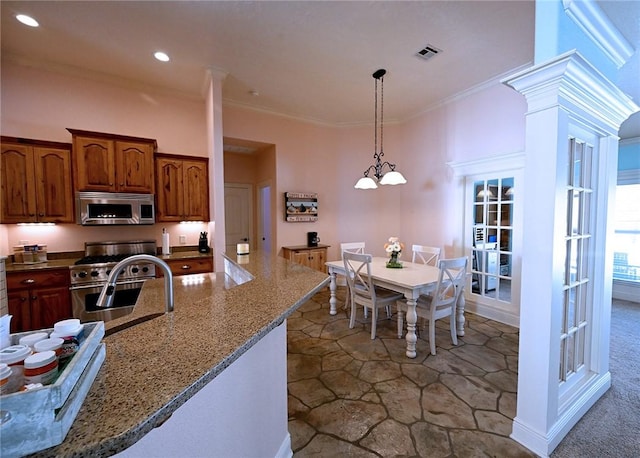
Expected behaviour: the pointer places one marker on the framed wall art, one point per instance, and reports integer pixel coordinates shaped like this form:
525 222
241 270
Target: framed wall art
300 207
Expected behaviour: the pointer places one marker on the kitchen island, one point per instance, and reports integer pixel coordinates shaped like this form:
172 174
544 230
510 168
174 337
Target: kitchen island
211 353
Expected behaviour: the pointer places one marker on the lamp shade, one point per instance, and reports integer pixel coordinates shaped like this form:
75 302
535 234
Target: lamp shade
393 178
366 183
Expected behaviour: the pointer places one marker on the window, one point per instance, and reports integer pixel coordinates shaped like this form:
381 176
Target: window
578 263
626 240
492 238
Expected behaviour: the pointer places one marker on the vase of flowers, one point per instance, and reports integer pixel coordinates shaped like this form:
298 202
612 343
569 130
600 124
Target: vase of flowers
394 247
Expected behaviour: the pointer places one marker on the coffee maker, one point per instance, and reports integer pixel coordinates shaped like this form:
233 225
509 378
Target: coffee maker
312 239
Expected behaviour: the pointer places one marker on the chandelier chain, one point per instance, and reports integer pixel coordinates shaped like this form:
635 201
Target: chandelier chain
392 177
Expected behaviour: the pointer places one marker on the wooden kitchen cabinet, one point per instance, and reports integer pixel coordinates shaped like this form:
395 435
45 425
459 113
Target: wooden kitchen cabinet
313 257
187 266
112 163
182 184
38 299
36 182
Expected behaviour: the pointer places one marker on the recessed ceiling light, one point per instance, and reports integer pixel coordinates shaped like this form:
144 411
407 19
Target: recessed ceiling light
27 20
163 57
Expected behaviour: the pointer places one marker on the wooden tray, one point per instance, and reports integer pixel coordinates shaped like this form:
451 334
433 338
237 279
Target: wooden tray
41 418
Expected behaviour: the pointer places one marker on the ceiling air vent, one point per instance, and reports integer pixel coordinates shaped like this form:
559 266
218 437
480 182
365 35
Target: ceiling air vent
428 52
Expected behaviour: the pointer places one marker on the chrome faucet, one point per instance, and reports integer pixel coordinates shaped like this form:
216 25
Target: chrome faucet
106 295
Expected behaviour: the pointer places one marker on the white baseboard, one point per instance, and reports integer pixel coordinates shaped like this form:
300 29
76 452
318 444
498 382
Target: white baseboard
285 448
492 313
544 444
626 291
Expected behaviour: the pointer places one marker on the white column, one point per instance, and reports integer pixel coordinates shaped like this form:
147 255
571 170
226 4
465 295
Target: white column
564 95
216 165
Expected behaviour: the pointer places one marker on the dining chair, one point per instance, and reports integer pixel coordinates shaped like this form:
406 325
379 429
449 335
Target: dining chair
352 247
442 302
425 254
362 290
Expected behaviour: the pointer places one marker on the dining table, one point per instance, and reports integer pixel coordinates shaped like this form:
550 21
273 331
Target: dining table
412 280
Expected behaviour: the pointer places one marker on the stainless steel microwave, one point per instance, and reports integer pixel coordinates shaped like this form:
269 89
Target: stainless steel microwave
110 208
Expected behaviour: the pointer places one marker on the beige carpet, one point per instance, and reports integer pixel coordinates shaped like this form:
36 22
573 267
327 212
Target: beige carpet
611 428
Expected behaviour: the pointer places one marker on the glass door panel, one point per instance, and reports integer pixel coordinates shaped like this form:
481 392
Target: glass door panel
492 238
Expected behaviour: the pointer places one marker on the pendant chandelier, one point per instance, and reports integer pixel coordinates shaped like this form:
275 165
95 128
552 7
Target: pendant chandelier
391 177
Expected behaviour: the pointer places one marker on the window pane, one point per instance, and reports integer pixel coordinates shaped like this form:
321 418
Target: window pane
626 241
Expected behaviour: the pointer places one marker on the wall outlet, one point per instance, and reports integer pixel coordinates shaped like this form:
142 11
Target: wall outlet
182 239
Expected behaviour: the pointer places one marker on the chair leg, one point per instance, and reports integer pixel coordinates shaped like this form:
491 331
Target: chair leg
432 335
352 319
347 299
374 321
454 331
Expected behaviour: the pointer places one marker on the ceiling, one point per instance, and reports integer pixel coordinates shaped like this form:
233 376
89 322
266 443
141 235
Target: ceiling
311 60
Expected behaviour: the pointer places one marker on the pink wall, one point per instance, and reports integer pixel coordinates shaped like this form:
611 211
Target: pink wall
42 104
483 124
305 162
308 157
329 161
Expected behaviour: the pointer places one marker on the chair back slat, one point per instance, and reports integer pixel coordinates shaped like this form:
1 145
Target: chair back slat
352 247
358 269
425 254
450 281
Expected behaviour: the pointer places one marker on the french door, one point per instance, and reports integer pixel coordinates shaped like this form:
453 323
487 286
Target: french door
492 240
492 244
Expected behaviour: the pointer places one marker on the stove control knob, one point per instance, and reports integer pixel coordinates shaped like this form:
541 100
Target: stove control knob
82 274
145 269
134 270
95 273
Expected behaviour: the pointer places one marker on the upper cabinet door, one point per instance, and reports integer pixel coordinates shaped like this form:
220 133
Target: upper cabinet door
112 163
134 171
196 190
36 182
53 185
94 164
18 184
182 185
170 190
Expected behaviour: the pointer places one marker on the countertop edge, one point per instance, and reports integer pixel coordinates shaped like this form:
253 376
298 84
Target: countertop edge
126 439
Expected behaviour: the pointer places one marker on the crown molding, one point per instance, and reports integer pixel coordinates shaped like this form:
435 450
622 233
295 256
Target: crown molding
590 18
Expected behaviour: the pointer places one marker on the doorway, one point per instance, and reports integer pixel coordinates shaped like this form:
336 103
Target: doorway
264 217
492 235
238 214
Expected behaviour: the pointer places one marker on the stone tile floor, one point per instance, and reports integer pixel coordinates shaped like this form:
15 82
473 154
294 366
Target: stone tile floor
353 396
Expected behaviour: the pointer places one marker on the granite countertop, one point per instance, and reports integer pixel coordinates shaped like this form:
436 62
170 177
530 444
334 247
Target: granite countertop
66 262
152 368
50 264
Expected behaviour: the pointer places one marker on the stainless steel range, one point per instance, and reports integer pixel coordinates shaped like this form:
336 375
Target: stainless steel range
89 275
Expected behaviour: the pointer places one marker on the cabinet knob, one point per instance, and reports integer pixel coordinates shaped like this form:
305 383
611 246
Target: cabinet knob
28 281
186 267
22 299
33 298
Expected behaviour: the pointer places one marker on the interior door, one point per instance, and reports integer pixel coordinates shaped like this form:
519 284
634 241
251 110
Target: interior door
493 242
264 217
238 213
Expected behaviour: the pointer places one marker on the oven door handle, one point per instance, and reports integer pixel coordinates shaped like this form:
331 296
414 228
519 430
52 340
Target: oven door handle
100 286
